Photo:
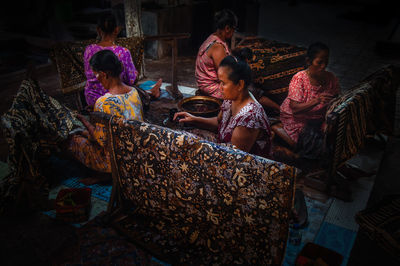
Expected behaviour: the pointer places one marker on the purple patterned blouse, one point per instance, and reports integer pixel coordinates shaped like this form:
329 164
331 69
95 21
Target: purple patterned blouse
93 88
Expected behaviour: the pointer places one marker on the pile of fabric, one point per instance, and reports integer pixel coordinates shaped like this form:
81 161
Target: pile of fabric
273 65
34 126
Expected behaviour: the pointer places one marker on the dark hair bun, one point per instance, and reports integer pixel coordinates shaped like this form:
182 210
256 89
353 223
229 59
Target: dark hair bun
107 23
106 61
225 17
244 54
240 70
315 48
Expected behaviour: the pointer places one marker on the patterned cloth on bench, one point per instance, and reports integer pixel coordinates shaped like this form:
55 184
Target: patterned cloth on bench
273 65
34 126
68 57
198 202
358 112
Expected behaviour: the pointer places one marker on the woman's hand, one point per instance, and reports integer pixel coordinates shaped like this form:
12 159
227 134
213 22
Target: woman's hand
81 117
184 117
326 97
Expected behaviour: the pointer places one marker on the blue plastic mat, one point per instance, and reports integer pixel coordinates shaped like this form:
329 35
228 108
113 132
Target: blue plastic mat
325 234
147 85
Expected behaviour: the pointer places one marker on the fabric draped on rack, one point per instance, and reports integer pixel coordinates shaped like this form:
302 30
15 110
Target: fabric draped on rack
198 201
35 125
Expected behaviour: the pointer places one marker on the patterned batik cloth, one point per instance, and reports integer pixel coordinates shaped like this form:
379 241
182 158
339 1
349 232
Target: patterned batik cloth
273 65
206 72
91 151
93 87
301 90
201 202
35 125
250 116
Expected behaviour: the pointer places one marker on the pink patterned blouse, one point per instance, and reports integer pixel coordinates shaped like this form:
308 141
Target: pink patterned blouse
93 88
251 116
301 90
206 72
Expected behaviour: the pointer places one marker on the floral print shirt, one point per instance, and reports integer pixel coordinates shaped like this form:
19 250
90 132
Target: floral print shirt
301 90
251 116
93 88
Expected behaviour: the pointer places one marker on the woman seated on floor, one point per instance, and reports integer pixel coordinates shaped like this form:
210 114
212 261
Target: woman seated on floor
242 120
303 111
108 31
119 99
211 53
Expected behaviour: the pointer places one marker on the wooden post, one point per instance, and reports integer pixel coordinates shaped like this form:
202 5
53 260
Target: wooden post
174 62
133 24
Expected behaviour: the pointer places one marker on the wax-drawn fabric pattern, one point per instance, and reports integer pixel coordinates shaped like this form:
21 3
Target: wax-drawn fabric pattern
34 125
206 71
250 116
359 111
68 57
201 202
273 65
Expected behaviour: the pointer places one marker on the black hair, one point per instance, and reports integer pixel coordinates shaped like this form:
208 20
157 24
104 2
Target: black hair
315 48
244 54
240 70
107 22
225 17
106 61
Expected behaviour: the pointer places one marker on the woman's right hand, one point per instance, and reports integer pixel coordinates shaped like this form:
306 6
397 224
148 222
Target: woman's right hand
184 117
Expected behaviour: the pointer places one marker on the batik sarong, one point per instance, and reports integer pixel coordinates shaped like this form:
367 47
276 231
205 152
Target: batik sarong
35 125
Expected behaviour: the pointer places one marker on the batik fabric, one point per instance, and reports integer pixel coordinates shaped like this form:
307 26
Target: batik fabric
198 202
34 126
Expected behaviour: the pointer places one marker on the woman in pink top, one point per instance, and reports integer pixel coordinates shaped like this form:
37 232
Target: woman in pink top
108 30
310 92
212 51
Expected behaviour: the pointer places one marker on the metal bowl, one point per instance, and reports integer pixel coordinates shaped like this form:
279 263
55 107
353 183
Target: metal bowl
204 106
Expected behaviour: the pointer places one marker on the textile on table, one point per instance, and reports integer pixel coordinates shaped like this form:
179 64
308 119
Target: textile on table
198 202
273 65
301 90
250 116
206 71
34 125
91 151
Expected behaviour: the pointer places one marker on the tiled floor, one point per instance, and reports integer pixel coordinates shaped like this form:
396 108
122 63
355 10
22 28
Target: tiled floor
352 58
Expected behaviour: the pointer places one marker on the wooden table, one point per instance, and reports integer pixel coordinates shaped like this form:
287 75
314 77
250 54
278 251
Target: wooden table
173 40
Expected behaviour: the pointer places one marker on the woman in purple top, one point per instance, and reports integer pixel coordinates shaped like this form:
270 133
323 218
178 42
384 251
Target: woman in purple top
108 31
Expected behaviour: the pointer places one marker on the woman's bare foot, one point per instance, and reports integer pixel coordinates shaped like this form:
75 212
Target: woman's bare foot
155 91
